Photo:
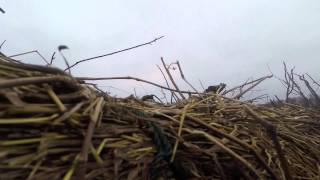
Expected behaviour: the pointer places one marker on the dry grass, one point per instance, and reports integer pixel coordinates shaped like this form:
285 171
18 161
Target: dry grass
53 126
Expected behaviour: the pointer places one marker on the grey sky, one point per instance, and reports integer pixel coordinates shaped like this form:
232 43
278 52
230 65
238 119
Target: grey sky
216 41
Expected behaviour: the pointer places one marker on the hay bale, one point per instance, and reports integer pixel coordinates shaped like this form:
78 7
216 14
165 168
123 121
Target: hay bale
53 126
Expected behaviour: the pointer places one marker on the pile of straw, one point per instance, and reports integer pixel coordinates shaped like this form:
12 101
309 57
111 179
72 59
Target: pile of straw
53 126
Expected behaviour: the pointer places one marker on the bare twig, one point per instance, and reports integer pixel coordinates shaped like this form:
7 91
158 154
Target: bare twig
52 58
1 10
269 69
252 86
314 81
299 90
29 52
312 91
2 44
278 99
184 78
118 89
112 53
271 102
171 79
155 96
173 95
60 48
96 87
136 79
263 96
246 83
135 93
287 82
164 95
202 86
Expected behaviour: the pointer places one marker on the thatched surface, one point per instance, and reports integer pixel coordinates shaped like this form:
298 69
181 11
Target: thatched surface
52 126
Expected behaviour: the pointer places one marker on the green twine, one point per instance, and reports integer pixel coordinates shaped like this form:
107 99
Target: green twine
161 142
163 147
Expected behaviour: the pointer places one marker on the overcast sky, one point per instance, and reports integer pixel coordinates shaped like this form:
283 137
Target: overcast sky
215 41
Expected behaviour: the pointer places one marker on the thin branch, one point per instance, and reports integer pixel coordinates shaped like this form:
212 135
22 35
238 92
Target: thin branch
314 81
251 87
2 44
60 48
172 93
263 96
136 79
171 79
299 90
312 91
287 82
135 93
52 58
243 85
269 69
155 96
184 78
202 86
172 98
278 99
118 89
164 95
112 53
96 87
29 52
246 83
1 10
276 102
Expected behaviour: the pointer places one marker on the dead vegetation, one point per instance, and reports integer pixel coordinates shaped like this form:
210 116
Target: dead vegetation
56 126
301 89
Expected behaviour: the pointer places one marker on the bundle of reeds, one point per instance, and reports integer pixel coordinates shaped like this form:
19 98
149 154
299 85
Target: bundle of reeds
52 126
